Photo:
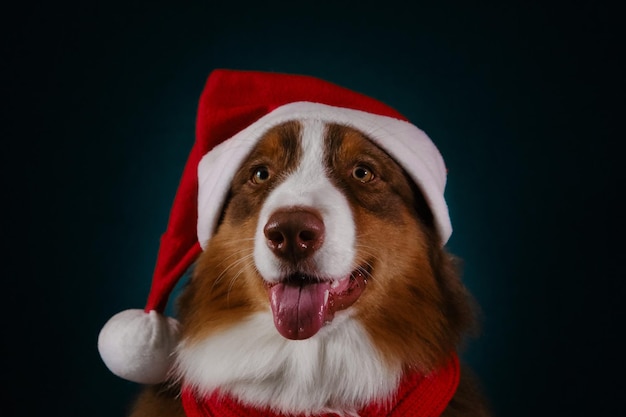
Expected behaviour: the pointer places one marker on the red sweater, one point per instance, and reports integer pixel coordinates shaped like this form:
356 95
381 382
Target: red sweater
417 396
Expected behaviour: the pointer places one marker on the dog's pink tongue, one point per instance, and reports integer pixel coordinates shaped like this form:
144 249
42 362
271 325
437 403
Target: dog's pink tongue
299 308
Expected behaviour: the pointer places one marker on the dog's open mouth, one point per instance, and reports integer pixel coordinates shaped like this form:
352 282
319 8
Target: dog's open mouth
302 304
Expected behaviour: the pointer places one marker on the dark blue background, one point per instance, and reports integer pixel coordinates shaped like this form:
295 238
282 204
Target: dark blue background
523 101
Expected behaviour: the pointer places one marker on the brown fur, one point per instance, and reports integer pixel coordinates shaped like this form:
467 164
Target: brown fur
468 400
414 307
158 400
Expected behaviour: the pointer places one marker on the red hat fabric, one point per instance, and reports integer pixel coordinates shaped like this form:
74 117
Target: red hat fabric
235 109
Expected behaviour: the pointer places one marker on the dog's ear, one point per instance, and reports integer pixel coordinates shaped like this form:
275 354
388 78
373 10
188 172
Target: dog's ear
422 209
227 201
461 309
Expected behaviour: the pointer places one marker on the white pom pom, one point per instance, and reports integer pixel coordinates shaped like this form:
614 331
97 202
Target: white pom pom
138 346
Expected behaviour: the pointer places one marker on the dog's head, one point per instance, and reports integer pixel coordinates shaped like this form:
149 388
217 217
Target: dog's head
317 221
325 243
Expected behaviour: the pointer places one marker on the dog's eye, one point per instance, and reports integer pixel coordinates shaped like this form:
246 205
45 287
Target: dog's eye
260 175
362 173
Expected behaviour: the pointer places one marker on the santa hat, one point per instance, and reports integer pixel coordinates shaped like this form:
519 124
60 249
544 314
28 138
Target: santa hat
236 108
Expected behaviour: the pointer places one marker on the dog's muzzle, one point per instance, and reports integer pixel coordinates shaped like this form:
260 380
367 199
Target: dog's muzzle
302 302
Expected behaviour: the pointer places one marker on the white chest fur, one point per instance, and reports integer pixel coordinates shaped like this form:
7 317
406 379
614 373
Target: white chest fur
338 368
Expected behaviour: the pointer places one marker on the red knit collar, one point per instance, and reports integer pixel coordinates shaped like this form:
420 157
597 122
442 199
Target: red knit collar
417 396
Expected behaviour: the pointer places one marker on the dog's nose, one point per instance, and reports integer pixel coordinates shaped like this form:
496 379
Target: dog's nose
294 234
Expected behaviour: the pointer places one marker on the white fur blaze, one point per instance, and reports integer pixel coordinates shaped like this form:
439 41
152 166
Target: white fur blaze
309 186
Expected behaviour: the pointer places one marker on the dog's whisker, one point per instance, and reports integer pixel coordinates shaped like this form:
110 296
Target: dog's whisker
234 254
243 259
233 264
368 252
234 278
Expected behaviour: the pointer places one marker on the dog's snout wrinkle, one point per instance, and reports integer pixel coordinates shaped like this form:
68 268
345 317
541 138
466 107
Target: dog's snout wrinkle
294 234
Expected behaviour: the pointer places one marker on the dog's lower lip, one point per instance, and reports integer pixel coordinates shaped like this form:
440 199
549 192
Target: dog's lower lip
348 294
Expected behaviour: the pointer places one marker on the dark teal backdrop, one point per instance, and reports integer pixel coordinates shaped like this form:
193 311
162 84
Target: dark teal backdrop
521 99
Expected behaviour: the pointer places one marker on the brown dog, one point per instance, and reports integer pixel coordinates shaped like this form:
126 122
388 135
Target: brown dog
325 290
